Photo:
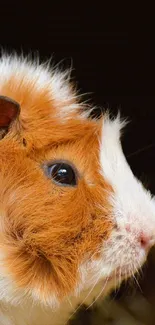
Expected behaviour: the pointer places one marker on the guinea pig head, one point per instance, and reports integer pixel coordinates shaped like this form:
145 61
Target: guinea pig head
71 211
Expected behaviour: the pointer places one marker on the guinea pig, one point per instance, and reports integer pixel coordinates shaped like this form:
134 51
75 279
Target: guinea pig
74 220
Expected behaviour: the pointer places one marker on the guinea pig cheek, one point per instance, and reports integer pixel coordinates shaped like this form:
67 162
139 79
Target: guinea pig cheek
45 246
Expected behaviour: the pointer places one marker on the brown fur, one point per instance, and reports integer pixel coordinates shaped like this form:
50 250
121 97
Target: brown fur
47 231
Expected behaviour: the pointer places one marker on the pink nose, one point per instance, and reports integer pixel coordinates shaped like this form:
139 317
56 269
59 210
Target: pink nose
145 240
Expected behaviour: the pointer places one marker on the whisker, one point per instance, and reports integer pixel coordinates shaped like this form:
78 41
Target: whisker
140 270
69 302
15 259
120 277
115 280
136 281
99 293
84 299
141 150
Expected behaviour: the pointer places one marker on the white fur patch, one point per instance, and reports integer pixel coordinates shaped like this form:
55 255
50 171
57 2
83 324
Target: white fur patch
133 206
43 77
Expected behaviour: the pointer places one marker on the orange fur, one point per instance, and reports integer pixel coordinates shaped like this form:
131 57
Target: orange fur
47 231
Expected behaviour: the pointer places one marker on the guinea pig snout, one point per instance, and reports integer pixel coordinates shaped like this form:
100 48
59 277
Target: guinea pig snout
144 238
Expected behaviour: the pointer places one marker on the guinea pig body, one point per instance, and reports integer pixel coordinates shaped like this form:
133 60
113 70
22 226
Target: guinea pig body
74 221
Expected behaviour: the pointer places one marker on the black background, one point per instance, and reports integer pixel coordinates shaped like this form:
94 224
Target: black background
112 52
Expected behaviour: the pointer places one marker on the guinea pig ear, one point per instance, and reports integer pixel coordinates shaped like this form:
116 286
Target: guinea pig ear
9 111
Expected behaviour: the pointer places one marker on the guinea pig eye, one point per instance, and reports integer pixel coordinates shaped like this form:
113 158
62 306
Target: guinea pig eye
62 173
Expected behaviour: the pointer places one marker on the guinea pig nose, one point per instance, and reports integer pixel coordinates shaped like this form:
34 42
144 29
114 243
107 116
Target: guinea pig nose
145 240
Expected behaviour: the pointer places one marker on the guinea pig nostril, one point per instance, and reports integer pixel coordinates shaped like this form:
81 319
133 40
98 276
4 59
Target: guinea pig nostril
145 240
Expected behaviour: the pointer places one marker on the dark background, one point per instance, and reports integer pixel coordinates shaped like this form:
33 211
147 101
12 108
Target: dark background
112 52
